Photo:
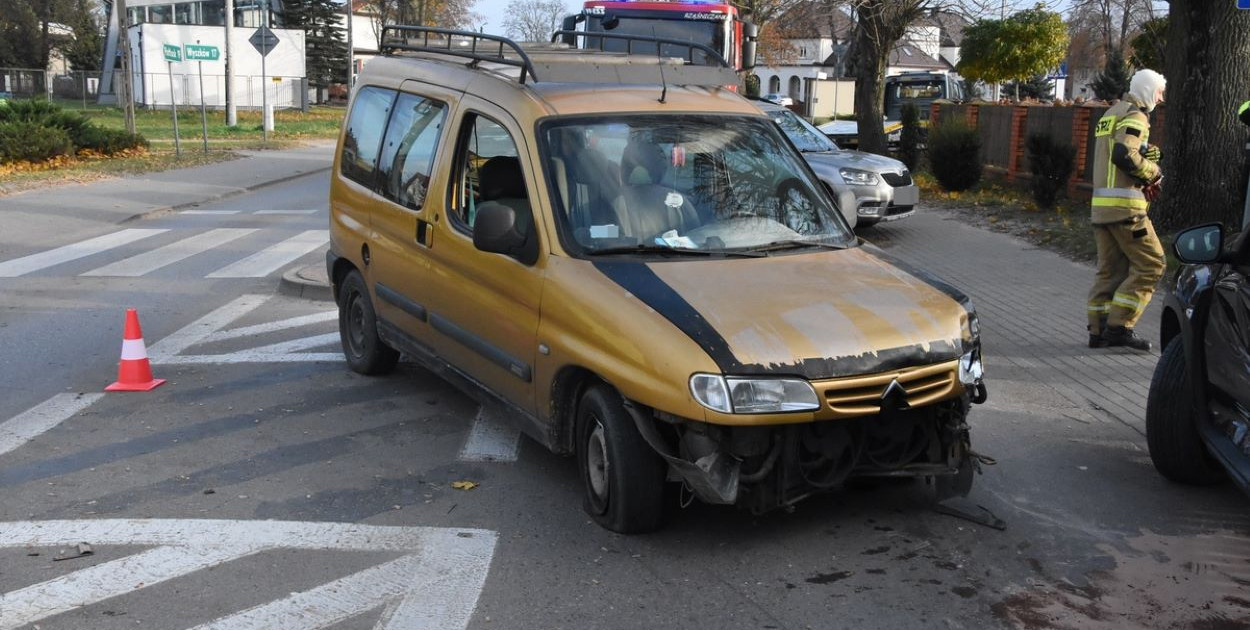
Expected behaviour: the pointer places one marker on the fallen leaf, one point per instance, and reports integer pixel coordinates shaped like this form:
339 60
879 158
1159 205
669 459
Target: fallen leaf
464 485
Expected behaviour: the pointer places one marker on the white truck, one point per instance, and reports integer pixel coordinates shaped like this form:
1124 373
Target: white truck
918 88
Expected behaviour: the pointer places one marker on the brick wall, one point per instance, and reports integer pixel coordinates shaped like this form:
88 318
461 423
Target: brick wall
1004 129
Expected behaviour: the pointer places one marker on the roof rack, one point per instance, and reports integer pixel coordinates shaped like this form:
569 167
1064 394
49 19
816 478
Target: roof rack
691 47
399 40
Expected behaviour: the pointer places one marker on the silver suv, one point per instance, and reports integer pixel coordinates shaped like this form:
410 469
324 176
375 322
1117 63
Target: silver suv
869 188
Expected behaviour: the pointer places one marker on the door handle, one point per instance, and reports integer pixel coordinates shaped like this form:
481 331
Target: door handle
425 235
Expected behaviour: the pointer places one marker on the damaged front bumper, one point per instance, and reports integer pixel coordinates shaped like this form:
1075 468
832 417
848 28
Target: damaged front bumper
766 467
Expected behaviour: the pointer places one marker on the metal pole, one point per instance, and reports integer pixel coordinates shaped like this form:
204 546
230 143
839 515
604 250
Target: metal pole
203 114
264 80
126 93
173 109
351 59
232 116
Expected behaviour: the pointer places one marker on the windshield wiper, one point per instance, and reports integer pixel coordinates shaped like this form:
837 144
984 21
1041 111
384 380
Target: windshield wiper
794 244
663 249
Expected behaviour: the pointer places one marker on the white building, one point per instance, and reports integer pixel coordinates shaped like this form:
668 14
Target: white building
820 36
154 23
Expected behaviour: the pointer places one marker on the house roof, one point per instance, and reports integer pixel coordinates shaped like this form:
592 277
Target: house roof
951 24
909 55
809 19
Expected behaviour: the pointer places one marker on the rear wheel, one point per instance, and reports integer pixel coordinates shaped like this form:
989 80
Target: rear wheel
623 478
1171 423
365 352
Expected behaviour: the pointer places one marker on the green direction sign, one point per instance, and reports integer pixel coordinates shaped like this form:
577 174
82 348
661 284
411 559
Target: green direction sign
198 52
172 53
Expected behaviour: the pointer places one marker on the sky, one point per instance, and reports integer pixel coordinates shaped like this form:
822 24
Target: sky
496 10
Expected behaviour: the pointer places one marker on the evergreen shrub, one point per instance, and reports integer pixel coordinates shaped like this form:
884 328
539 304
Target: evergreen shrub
1051 163
25 141
955 155
909 140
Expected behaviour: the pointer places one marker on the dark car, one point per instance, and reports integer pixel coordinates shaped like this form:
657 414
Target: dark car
1198 410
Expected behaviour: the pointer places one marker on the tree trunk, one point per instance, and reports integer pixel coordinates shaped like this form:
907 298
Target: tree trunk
869 68
1203 143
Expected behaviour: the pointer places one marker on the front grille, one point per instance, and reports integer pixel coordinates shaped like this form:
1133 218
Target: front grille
897 179
861 395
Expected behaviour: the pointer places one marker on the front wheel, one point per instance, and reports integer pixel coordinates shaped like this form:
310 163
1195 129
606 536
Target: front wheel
1171 423
364 350
623 478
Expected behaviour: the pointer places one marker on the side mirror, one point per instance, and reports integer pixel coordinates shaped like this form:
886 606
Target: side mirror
750 35
1200 245
570 24
496 230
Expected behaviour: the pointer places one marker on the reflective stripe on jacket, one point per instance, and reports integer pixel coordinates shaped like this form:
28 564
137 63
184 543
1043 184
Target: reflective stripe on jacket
1118 179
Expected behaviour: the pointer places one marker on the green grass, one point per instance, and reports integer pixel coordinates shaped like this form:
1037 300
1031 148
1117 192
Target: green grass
291 127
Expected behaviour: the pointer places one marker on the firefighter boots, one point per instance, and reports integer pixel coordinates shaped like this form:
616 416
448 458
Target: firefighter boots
1115 336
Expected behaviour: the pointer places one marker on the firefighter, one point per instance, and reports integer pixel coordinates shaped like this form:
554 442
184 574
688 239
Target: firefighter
1126 180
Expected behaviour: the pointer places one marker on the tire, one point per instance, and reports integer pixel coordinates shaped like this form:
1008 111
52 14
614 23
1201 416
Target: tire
365 352
1171 424
622 477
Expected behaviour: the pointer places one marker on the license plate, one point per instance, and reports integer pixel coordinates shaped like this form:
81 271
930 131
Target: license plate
906 196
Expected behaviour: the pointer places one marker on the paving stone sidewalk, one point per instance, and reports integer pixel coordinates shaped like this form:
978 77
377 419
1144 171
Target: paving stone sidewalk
1031 304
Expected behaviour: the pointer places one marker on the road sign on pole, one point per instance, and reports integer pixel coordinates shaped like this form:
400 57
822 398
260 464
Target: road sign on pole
264 40
172 53
199 52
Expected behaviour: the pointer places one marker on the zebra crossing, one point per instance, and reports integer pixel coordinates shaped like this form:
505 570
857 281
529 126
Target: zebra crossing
83 257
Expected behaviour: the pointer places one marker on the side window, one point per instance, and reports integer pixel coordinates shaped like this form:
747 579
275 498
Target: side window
489 170
364 133
408 152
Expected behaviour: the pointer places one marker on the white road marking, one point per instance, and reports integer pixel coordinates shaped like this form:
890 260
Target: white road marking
492 439
42 417
274 257
435 584
260 329
211 328
110 579
197 331
285 212
150 261
210 212
82 249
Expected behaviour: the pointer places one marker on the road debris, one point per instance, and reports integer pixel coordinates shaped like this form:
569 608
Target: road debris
464 485
80 550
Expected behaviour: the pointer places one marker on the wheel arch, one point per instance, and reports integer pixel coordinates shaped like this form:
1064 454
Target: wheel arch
566 389
339 268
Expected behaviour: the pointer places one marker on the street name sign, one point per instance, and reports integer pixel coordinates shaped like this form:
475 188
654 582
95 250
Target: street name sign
172 52
199 52
263 40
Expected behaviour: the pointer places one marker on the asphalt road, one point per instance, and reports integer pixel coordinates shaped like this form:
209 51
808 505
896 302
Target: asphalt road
265 485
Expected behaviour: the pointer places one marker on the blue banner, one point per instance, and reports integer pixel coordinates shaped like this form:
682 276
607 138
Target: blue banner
1243 4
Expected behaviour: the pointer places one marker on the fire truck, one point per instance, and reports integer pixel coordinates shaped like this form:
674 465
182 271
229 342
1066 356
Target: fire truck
716 25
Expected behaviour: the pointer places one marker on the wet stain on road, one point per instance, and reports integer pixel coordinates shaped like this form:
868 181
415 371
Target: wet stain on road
829 578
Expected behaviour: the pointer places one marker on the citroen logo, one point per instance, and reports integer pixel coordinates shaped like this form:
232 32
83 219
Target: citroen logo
895 395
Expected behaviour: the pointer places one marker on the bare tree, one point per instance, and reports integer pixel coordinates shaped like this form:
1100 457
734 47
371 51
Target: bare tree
879 25
533 20
445 13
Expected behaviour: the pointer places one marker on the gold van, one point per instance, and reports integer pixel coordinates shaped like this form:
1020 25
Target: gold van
635 260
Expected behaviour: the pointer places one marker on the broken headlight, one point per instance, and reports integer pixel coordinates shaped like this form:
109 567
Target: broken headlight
753 395
971 370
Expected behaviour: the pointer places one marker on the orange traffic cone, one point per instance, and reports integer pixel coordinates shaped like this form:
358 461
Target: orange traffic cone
134 373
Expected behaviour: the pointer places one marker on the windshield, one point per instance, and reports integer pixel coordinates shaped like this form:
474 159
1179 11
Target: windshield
922 93
647 184
708 33
804 136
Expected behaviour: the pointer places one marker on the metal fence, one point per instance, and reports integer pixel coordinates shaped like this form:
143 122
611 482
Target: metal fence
153 89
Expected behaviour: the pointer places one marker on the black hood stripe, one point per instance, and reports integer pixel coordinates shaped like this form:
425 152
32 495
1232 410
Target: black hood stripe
641 281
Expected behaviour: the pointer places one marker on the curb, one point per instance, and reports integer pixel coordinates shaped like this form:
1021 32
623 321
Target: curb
161 211
309 283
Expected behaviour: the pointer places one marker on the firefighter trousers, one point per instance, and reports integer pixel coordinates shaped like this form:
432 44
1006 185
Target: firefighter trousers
1130 264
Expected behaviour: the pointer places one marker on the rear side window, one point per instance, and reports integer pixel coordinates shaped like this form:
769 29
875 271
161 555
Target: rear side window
364 133
408 152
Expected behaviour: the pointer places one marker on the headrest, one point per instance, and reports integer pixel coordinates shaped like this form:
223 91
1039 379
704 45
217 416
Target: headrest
501 177
649 157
